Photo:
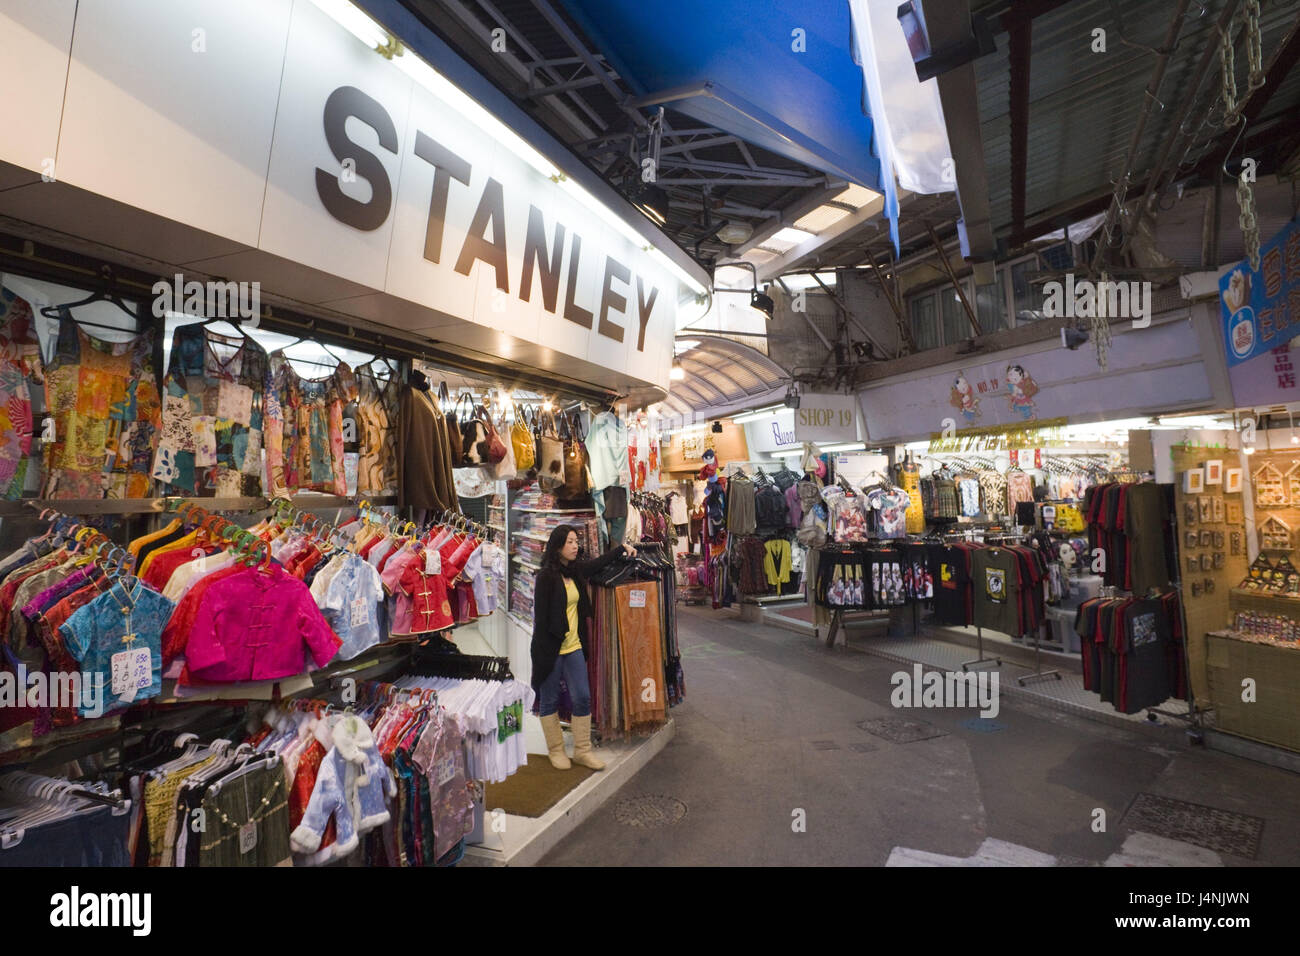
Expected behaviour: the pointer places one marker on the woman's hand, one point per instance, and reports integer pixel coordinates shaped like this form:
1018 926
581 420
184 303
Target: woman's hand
629 550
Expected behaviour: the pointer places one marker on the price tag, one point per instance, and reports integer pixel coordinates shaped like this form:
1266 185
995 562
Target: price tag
359 617
446 769
636 598
248 836
131 671
432 561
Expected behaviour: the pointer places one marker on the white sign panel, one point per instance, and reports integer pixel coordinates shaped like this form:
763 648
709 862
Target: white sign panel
265 122
826 418
773 433
1162 368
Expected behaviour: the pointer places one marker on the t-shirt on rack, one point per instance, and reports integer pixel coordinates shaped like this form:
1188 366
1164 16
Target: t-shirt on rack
1132 650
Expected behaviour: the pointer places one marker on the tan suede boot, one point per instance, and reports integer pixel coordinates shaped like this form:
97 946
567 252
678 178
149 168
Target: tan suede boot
582 754
555 742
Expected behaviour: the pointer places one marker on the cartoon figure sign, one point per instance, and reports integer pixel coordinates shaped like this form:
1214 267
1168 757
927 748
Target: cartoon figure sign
1022 389
964 399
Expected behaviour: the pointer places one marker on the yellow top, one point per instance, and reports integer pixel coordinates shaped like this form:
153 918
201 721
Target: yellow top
187 541
135 546
571 642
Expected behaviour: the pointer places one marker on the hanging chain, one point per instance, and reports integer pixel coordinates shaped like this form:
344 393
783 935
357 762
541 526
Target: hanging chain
1254 46
1228 70
1246 219
1101 330
1248 19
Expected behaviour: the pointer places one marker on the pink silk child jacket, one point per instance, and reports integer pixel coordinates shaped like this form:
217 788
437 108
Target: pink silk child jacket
258 625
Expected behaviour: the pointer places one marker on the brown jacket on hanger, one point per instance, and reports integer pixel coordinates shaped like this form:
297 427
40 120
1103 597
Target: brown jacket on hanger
424 473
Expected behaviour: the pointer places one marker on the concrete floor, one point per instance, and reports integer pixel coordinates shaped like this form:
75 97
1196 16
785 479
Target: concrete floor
769 728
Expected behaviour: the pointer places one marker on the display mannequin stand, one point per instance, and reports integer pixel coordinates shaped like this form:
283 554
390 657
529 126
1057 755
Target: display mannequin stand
1039 673
979 649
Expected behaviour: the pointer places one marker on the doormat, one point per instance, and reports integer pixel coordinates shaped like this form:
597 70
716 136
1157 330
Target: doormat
900 730
1220 830
534 788
649 811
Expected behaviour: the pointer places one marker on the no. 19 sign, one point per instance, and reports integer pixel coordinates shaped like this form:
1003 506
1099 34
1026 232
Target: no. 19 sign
826 418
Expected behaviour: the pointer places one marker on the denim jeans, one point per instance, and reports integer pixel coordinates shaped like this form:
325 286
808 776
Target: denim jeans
572 669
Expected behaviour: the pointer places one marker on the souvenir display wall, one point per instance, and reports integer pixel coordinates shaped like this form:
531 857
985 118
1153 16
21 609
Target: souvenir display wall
1244 619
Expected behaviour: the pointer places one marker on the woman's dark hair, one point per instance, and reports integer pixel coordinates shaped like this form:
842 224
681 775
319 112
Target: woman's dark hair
554 544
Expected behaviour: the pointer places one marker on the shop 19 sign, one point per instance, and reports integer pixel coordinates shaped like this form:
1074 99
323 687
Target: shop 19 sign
826 418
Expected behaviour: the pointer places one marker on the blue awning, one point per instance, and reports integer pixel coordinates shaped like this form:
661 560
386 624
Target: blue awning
746 69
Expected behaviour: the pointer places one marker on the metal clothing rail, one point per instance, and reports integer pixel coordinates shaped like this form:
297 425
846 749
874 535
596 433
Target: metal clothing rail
131 506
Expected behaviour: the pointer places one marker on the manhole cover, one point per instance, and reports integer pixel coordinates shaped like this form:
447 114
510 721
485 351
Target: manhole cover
900 730
863 748
650 811
1220 830
825 745
982 725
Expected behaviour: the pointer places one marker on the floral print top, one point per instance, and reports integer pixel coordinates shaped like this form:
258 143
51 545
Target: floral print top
103 397
212 417
305 430
20 372
376 420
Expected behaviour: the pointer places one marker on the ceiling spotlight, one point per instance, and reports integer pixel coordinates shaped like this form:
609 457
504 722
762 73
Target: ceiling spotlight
717 428
653 201
677 373
757 300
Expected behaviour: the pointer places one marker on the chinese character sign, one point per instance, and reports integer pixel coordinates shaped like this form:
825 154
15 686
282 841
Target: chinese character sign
1261 309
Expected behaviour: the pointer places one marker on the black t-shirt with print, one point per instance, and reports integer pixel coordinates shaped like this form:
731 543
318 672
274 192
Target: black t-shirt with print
951 579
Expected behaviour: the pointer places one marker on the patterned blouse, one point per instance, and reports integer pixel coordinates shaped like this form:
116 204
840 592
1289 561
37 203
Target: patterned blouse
108 637
20 371
103 397
305 430
211 444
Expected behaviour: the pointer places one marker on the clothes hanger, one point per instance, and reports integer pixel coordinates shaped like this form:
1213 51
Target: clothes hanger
105 293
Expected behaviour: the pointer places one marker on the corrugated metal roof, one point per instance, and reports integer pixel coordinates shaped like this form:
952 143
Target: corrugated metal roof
1083 106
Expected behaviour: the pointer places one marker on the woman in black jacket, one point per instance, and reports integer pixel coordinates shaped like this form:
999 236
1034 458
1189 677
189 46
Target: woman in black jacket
561 611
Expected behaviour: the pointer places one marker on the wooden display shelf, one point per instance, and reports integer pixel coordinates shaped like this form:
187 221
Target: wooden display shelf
1269 602
1272 716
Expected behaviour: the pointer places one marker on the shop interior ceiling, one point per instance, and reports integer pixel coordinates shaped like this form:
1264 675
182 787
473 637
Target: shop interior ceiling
1056 125
1056 120
553 71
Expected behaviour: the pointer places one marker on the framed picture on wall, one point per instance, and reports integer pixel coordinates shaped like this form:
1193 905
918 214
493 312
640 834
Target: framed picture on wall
1193 481
1214 472
1232 481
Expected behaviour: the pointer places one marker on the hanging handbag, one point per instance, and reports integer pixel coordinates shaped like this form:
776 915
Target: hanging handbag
453 427
550 453
472 430
522 441
575 485
483 446
506 468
